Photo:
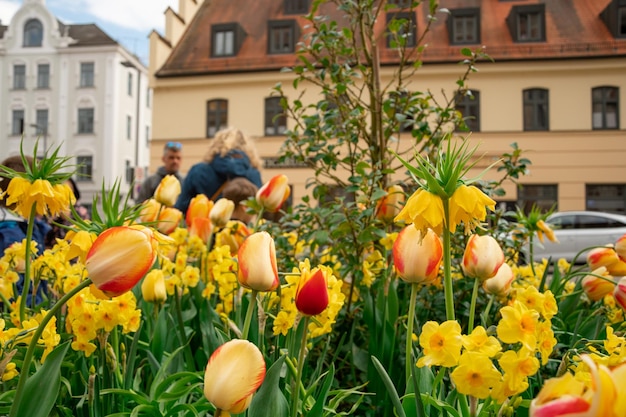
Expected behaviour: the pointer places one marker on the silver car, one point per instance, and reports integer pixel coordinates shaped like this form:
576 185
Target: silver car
578 230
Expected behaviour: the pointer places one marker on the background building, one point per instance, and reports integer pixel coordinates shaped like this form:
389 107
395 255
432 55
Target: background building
555 88
73 86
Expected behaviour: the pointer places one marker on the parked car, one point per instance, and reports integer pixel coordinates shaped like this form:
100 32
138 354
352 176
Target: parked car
578 230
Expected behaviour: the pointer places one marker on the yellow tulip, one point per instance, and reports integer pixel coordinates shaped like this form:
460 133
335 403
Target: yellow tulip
482 258
274 193
169 219
417 258
153 287
221 212
149 211
120 257
233 374
257 263
199 206
168 191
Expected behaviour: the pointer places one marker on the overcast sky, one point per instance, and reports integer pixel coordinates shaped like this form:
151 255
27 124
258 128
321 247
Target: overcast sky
127 21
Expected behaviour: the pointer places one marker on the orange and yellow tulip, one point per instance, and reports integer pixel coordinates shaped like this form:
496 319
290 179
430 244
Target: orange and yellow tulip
233 374
233 235
312 292
500 284
606 256
274 193
482 258
257 263
149 211
120 257
417 258
202 228
619 293
169 219
390 205
221 212
595 287
167 191
620 248
199 206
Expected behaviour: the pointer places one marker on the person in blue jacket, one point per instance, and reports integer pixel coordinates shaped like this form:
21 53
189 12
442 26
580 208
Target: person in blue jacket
230 155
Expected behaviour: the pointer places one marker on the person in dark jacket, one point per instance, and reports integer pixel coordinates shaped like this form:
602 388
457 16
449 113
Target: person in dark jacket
172 157
230 155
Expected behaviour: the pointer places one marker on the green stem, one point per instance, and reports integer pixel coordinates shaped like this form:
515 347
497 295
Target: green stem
296 389
470 326
409 336
181 330
27 260
447 274
248 320
485 314
28 358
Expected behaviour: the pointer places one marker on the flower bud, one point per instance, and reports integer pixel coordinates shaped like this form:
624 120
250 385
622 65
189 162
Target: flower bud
312 292
149 211
168 191
596 288
199 206
169 219
234 372
482 258
257 263
547 230
221 212
417 259
390 205
120 257
274 193
500 284
619 293
153 287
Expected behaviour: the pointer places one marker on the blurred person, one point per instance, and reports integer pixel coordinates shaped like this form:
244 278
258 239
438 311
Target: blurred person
230 155
172 158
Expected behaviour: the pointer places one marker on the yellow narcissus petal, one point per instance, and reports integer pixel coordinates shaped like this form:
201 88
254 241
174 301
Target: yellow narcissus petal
221 212
167 191
417 257
234 372
274 193
257 263
119 258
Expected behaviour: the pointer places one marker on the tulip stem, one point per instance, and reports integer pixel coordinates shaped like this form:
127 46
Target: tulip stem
27 256
472 312
447 274
181 329
295 391
28 357
248 319
409 335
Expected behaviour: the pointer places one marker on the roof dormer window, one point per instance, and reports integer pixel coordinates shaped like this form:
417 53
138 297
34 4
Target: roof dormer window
614 17
527 23
296 6
226 39
33 33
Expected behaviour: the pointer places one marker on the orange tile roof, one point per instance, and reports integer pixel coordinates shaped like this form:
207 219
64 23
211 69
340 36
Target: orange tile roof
573 29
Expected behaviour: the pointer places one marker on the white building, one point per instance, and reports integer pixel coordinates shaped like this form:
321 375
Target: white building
75 87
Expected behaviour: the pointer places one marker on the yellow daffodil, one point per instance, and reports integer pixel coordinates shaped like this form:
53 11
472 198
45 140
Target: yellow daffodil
441 344
518 324
479 341
475 375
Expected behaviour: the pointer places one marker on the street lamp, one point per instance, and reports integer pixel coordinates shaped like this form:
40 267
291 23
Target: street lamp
42 130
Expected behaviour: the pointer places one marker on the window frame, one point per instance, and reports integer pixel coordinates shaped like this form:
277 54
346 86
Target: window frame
532 107
299 7
43 77
289 32
17 123
19 79
411 19
86 124
33 31
275 117
217 115
465 13
84 171
41 123
604 102
598 197
129 86
238 36
546 197
469 107
87 78
516 26
129 126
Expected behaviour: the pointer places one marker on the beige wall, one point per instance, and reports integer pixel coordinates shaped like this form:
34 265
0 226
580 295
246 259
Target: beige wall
570 154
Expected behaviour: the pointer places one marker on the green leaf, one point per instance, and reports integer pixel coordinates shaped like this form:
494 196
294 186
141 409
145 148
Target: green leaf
269 400
318 408
42 388
466 52
391 389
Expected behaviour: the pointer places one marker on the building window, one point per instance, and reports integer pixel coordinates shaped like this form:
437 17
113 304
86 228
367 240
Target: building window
543 196
43 76
527 23
621 22
129 125
468 104
33 33
85 120
296 6
400 3
226 39
17 123
614 17
129 86
610 198
536 109
275 119
148 97
401 29
41 124
282 35
86 74
464 26
216 116
19 77
84 170
129 172
605 107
